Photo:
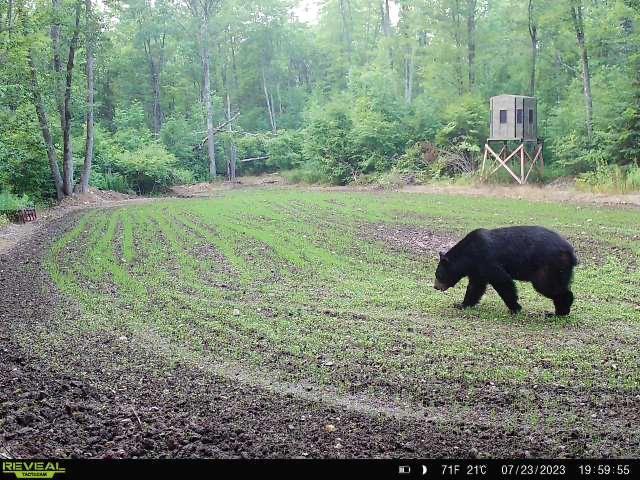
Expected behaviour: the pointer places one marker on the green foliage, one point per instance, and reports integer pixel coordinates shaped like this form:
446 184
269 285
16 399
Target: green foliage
110 181
611 179
150 169
11 203
286 150
132 132
181 136
23 159
349 100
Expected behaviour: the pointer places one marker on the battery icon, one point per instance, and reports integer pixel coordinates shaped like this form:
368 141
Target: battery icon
404 469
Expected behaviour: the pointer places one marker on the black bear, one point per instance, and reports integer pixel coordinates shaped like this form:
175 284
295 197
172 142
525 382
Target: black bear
497 257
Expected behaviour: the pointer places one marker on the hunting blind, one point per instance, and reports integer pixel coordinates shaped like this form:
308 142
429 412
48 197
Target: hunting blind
513 118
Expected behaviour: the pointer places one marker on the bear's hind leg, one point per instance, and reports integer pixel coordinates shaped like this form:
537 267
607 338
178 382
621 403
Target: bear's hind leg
554 283
506 288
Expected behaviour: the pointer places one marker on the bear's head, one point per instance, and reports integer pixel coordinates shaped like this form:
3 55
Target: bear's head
447 275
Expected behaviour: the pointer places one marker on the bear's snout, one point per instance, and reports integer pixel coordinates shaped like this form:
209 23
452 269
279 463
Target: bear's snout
438 285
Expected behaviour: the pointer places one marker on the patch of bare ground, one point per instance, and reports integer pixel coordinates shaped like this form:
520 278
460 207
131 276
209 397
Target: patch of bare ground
410 239
595 253
207 189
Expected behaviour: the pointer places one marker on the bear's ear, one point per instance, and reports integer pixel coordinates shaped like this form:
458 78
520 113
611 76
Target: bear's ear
443 256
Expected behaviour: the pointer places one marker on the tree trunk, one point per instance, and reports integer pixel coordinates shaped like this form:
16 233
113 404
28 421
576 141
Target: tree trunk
57 61
267 97
346 24
533 33
578 23
232 145
408 75
10 18
386 20
155 70
44 127
471 42
67 162
455 16
206 66
88 151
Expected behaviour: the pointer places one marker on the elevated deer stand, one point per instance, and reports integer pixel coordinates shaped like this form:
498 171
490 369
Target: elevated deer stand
492 161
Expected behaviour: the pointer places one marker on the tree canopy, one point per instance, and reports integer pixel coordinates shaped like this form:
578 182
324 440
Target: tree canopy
138 94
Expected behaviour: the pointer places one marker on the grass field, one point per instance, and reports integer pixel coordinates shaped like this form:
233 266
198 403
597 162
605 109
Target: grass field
330 293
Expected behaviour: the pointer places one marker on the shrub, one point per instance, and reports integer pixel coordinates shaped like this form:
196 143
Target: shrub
149 169
110 181
611 179
4 220
308 173
286 150
11 203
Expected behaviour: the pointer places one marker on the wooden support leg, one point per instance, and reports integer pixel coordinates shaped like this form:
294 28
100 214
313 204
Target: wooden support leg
522 177
484 159
503 163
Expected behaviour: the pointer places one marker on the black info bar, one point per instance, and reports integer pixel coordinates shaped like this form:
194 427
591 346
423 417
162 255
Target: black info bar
317 468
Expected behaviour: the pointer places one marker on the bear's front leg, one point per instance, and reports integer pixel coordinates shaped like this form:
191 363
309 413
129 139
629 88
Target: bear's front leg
475 291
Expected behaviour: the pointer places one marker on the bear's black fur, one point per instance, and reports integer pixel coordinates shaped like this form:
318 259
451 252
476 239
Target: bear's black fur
500 256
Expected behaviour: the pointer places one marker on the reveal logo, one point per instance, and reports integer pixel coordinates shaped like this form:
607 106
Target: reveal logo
32 469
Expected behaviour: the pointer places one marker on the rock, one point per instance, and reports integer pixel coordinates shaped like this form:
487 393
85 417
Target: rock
329 428
236 312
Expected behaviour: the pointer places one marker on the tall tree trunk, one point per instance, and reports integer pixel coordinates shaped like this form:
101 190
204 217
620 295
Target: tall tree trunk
409 67
386 20
57 60
9 26
88 150
471 42
455 16
345 14
578 23
533 33
272 119
156 61
44 127
67 162
206 66
232 146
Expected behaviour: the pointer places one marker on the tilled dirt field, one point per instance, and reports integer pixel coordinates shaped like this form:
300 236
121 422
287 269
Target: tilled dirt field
104 395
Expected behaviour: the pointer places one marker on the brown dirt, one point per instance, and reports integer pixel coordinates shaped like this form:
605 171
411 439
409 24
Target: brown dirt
206 189
410 239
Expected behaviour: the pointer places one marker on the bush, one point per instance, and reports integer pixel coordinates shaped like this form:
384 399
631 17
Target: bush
308 173
611 179
286 150
110 181
23 158
149 169
4 220
11 203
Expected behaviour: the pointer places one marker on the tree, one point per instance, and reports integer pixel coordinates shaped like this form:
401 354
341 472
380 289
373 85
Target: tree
202 11
88 154
578 24
533 34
